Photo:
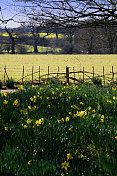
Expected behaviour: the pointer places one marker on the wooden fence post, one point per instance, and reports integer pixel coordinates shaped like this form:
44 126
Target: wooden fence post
83 74
39 74
93 71
103 76
67 74
32 74
4 74
57 72
48 72
74 74
23 75
112 74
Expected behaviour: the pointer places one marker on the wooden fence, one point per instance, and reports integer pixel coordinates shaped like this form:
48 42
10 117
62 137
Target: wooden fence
69 76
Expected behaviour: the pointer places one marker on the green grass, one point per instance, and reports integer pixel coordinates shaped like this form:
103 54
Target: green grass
41 49
43 127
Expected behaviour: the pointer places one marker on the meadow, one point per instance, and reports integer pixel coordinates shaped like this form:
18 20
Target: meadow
55 129
14 63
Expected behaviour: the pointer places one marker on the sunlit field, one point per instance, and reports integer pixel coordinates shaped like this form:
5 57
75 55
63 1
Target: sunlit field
14 63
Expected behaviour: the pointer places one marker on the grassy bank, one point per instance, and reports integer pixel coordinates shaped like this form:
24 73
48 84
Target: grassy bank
59 130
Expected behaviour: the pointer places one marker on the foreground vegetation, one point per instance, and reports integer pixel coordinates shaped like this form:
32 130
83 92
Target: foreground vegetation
59 130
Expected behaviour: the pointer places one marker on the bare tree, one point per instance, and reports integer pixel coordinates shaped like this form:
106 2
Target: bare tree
110 34
85 40
77 12
4 23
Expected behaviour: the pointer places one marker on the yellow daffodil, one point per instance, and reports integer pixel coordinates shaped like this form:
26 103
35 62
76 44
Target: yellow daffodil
31 99
28 121
81 103
6 128
67 119
62 119
15 103
81 113
115 137
65 165
99 115
58 121
102 116
5 95
89 108
25 126
69 156
39 122
70 113
70 129
29 162
60 94
29 107
49 106
102 120
5 102
109 101
93 110
114 89
21 87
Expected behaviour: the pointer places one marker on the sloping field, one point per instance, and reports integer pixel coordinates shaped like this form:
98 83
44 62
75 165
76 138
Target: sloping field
14 63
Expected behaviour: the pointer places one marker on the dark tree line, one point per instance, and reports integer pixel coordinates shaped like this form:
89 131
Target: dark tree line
89 26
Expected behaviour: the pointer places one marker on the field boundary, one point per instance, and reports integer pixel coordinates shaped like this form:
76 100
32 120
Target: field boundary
70 75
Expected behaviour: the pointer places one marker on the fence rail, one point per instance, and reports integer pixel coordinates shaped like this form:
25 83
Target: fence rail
70 75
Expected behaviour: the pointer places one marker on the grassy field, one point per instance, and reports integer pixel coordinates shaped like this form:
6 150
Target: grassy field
41 49
57 130
14 63
41 35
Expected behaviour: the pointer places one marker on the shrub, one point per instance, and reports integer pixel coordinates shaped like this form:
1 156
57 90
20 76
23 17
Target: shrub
67 48
1 49
10 83
7 48
21 49
97 81
53 81
0 84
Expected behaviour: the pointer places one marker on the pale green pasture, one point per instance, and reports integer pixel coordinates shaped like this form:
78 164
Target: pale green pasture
41 49
14 63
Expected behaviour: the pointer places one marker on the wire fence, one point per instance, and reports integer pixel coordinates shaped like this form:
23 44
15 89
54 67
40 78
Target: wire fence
66 74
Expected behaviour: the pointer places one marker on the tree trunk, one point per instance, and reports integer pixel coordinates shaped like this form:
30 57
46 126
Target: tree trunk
12 41
35 48
35 39
13 46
